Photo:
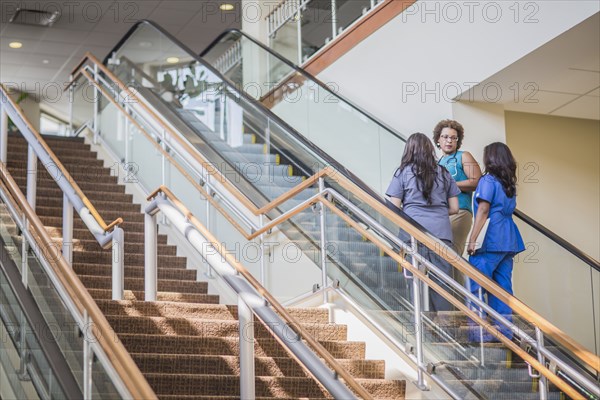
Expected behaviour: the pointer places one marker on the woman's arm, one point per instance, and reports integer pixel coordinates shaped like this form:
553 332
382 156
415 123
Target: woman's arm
396 201
453 205
473 172
482 215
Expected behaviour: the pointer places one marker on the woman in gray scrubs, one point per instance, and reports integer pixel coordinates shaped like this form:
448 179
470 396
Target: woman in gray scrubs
428 194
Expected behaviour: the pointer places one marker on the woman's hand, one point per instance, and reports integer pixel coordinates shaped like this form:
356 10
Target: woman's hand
471 248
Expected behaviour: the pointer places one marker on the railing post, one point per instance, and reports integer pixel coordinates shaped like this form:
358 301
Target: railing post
118 269
543 381
31 176
261 240
246 321
71 99
88 356
209 268
323 245
418 307
96 104
151 255
3 133
333 19
299 31
67 229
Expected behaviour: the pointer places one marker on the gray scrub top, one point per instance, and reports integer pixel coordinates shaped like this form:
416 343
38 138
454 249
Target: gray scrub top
434 217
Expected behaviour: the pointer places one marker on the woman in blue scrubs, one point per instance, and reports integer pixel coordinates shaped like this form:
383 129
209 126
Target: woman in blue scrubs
496 198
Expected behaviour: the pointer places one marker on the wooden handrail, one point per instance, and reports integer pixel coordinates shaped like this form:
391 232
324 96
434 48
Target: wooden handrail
457 262
317 347
107 339
61 168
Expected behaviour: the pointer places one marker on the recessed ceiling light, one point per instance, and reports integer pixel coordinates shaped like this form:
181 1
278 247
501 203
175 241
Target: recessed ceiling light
146 45
226 7
15 45
173 60
45 61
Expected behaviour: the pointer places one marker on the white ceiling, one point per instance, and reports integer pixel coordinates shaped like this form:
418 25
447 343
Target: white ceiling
49 54
560 78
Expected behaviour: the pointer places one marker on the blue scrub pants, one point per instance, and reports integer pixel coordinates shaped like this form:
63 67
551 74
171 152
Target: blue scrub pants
498 266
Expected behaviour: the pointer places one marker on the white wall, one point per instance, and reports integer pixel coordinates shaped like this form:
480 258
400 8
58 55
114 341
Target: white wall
409 71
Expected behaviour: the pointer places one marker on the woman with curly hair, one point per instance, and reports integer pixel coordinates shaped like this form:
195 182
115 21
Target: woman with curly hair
427 193
448 136
496 199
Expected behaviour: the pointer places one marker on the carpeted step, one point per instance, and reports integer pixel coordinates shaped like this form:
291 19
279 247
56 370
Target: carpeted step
107 203
206 311
130 259
134 272
187 384
107 213
210 327
80 176
264 347
164 285
229 365
50 187
128 226
67 159
138 295
83 151
91 245
82 233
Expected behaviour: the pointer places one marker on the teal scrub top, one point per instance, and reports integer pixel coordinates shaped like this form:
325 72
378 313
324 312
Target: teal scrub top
502 234
453 163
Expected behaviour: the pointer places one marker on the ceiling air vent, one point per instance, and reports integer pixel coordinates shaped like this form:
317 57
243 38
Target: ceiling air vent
34 17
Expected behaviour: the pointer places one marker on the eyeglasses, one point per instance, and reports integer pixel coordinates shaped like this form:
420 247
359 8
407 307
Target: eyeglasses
449 138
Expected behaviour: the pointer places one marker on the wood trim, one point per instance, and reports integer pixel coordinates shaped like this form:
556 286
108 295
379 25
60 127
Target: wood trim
115 351
356 34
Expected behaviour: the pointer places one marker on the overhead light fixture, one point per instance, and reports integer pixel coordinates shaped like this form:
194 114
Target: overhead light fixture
226 7
45 61
15 45
35 17
173 60
146 45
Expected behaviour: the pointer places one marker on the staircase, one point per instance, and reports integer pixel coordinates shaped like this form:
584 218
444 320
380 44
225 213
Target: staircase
186 344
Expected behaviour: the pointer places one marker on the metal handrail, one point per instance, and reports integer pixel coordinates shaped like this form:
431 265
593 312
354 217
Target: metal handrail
73 289
272 301
55 161
457 262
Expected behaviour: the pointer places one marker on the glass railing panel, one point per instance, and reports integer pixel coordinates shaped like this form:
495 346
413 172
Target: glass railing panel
32 362
551 267
14 369
102 385
84 98
349 11
112 127
371 150
145 161
316 27
65 330
286 41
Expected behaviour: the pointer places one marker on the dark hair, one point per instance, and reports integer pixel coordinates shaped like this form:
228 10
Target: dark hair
419 154
499 162
452 124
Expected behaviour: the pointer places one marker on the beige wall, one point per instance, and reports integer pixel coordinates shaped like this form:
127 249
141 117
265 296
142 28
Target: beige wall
559 174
